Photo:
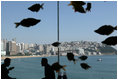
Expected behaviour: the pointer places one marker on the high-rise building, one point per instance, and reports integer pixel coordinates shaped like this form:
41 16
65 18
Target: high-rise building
36 46
31 45
26 46
22 46
18 48
41 48
3 52
4 44
18 44
52 51
47 49
11 48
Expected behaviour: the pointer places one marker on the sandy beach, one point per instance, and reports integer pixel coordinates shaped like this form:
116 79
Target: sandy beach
13 57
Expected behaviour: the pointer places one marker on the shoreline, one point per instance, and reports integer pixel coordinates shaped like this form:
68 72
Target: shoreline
14 57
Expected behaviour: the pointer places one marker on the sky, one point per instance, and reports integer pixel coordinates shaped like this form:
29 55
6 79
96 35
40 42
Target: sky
74 26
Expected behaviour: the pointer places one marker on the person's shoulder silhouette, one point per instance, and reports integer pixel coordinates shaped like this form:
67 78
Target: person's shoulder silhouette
49 72
4 70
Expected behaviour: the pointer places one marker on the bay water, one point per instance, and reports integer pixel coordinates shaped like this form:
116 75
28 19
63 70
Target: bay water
30 68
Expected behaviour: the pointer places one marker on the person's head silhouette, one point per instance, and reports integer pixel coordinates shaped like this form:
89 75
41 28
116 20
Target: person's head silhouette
44 62
7 61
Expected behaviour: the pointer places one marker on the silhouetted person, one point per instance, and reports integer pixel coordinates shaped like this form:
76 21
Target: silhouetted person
49 72
5 70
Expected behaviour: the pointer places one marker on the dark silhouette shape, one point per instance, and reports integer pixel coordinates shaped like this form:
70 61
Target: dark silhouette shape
28 22
79 9
110 40
64 75
105 30
60 75
78 6
49 72
73 3
36 7
88 7
83 57
56 66
4 70
56 44
115 28
70 57
85 66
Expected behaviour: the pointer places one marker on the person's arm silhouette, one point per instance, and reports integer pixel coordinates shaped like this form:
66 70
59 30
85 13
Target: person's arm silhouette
11 68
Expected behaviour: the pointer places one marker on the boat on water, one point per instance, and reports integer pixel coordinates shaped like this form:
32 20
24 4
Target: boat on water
99 59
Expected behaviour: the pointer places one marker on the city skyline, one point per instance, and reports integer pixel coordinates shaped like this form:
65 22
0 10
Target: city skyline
74 26
77 47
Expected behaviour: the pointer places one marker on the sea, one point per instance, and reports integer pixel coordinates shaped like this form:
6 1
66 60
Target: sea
30 68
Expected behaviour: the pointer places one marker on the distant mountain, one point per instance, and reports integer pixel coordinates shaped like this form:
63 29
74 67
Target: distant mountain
88 48
107 50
